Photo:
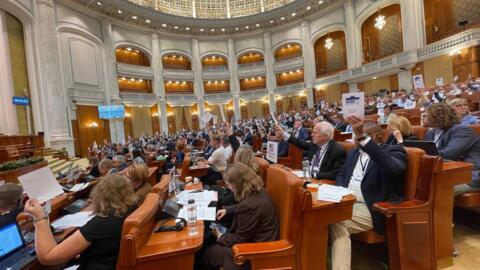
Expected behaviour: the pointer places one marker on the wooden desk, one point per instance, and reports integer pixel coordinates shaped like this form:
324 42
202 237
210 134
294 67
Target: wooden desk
198 171
453 173
315 230
170 250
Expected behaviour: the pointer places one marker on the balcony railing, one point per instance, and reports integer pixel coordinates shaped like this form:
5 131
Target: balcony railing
287 65
253 71
177 75
134 71
216 74
253 94
290 89
252 64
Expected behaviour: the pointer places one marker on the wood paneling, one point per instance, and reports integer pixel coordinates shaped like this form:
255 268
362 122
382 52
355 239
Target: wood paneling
371 45
127 122
288 51
252 83
214 61
171 120
323 55
131 56
466 63
289 77
250 57
86 115
440 19
216 86
134 85
178 87
393 80
175 61
155 116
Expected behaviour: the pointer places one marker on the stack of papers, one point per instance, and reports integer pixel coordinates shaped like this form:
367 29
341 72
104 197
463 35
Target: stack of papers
298 173
201 198
75 220
332 193
203 213
77 187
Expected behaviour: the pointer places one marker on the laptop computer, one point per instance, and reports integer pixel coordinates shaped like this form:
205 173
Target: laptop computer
14 253
428 146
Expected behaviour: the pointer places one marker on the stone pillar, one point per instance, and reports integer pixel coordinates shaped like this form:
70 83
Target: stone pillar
405 80
234 83
353 52
413 25
8 112
197 78
352 87
308 65
117 130
270 80
57 133
158 83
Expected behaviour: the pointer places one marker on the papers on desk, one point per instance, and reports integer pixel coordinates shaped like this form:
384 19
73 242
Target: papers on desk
298 173
203 213
332 193
200 197
75 220
77 187
41 184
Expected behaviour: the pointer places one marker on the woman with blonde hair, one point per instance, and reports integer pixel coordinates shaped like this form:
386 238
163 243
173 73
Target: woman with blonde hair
246 156
254 216
98 241
400 129
460 106
138 175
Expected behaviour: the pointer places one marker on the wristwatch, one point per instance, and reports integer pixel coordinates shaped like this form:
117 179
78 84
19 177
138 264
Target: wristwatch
40 219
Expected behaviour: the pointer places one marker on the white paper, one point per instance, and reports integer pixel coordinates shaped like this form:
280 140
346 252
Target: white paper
298 173
75 220
439 81
206 195
41 184
215 118
353 104
78 187
418 81
272 152
203 213
222 113
205 119
274 119
409 105
331 193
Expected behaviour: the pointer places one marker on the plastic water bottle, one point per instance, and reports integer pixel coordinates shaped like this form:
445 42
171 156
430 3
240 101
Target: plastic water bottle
306 170
192 217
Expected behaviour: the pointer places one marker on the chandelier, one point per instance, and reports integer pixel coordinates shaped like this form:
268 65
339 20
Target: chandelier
380 22
328 43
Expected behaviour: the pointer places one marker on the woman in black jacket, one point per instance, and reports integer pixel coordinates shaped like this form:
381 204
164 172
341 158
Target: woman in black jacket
401 130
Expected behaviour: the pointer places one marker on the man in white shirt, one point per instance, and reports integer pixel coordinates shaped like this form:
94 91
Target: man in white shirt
217 162
375 171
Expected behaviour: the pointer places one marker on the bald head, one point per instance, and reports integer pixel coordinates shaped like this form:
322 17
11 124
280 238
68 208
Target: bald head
322 132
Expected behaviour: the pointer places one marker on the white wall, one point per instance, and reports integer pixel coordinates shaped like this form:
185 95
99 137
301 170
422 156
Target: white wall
333 19
213 46
70 16
291 34
182 45
249 43
123 35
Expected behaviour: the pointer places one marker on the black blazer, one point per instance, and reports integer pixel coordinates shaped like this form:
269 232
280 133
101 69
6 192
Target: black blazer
255 219
383 179
248 139
392 140
332 161
282 150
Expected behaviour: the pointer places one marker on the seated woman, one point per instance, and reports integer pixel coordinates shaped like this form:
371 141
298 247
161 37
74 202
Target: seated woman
460 106
401 130
138 175
93 167
98 241
255 218
246 156
454 142
387 114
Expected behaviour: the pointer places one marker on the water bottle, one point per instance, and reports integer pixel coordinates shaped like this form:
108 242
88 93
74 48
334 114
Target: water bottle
306 170
192 217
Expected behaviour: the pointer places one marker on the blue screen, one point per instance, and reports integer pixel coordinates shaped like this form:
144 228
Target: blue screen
10 239
111 112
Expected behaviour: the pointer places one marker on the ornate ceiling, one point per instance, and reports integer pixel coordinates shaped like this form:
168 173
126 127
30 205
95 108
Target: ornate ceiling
209 17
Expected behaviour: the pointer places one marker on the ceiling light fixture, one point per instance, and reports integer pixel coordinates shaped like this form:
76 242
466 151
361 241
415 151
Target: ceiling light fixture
380 21
272 21
328 43
164 25
119 11
282 18
132 79
187 28
223 29
176 27
99 4
212 30
201 30
246 26
147 21
236 28
134 17
320 2
257 25
308 8
294 14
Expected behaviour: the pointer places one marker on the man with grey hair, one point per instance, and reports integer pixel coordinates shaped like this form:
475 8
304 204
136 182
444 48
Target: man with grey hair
119 162
106 167
326 155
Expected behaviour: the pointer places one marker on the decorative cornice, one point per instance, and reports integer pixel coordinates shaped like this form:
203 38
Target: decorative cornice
179 75
222 98
142 72
288 64
138 99
252 71
253 94
181 99
290 89
215 74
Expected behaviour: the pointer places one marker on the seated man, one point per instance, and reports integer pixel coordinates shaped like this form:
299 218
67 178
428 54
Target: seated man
119 163
375 171
106 167
217 162
299 131
454 141
326 155
282 149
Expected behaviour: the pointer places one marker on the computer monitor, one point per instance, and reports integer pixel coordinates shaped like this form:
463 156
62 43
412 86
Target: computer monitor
10 239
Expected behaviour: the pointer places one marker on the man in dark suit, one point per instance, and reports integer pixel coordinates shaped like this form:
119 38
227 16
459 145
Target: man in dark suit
454 142
375 172
248 138
299 131
282 149
326 155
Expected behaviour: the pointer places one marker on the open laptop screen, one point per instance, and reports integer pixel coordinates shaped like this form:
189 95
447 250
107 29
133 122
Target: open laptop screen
10 239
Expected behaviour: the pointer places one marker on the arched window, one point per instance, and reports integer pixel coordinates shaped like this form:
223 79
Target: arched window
176 61
288 51
250 58
214 62
330 54
132 56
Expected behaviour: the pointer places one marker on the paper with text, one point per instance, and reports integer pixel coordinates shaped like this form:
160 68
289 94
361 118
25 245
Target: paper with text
353 104
41 184
272 151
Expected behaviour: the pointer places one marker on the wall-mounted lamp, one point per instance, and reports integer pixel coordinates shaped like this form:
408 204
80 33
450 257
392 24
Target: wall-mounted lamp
92 125
169 114
127 115
155 114
455 52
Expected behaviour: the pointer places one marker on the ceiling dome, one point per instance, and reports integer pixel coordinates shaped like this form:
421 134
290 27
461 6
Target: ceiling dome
212 9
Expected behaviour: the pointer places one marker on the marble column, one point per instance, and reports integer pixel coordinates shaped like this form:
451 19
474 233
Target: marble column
57 132
405 80
117 129
308 65
158 83
270 80
353 52
8 112
352 87
413 25
234 82
197 78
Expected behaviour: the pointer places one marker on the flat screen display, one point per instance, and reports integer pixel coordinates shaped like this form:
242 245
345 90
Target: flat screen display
10 239
111 112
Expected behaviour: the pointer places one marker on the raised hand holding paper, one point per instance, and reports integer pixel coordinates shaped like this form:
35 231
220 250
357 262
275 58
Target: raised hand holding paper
41 184
353 104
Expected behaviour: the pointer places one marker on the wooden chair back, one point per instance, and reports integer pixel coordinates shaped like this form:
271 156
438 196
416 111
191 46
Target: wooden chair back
185 167
476 129
347 146
282 187
419 131
136 230
339 137
263 168
414 158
